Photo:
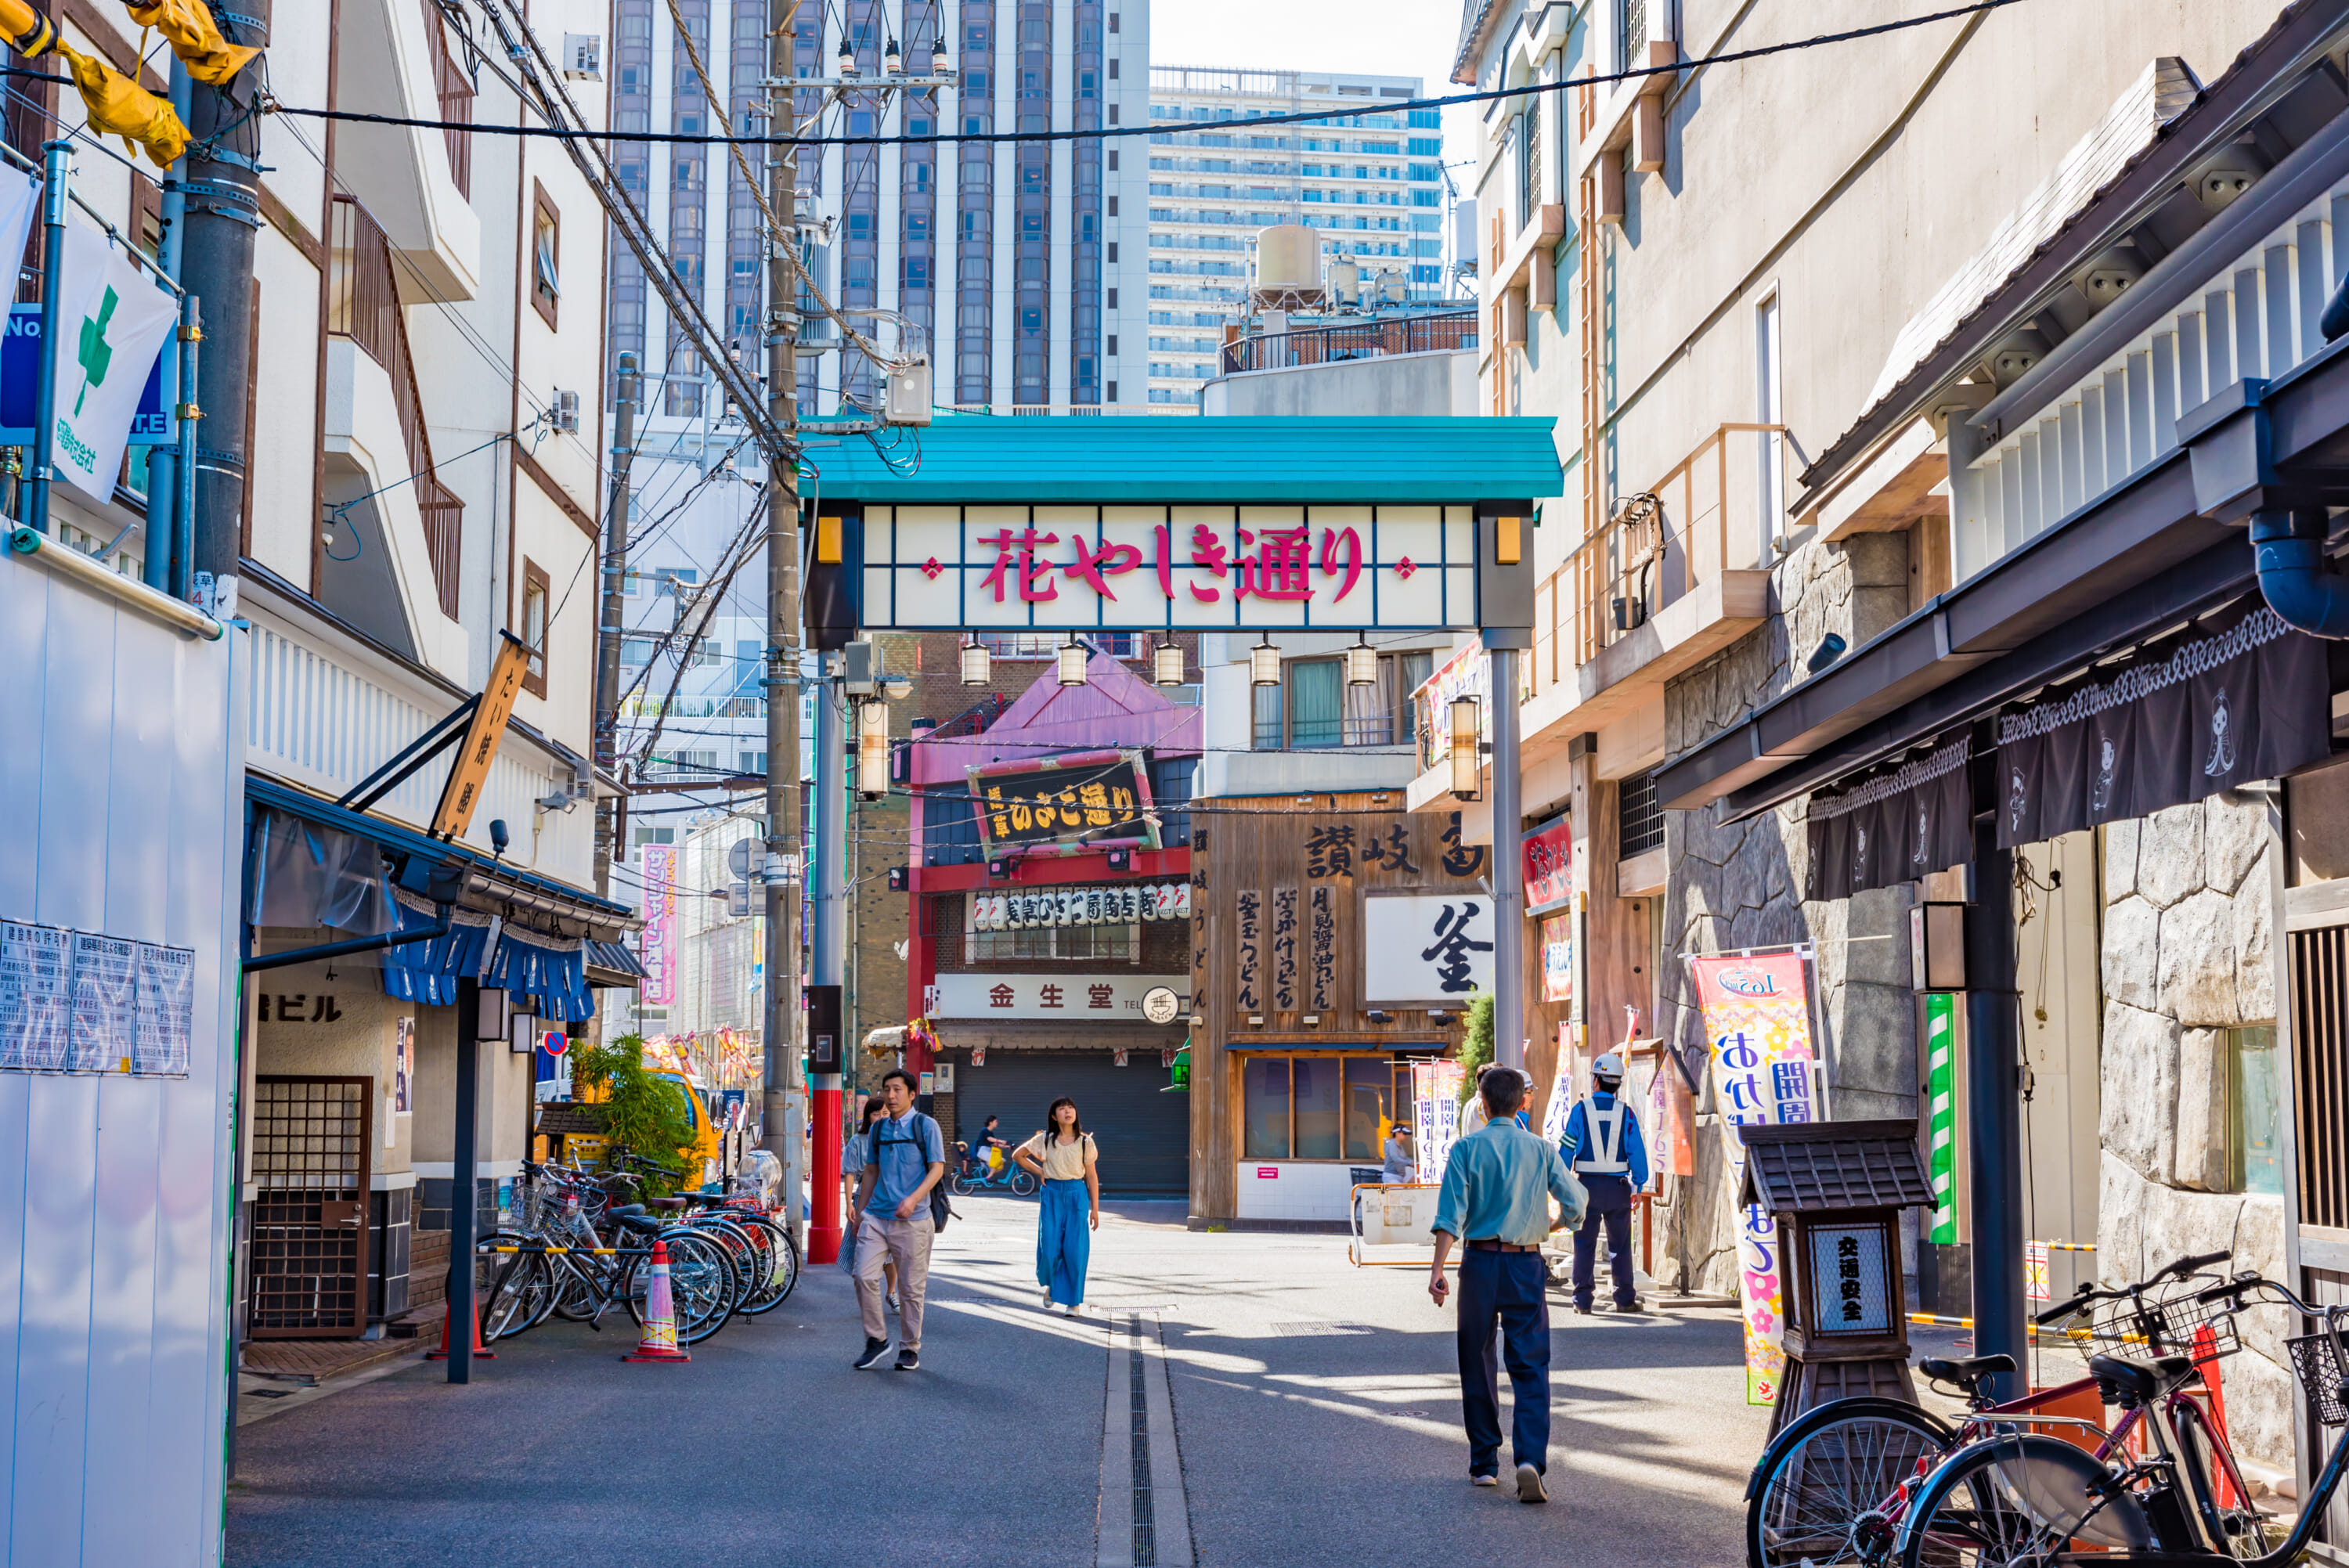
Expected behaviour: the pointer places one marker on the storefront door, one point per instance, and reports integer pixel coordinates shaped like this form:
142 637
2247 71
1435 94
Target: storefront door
311 1143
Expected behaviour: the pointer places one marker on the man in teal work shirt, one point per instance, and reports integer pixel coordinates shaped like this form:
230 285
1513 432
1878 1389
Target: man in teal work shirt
1496 1200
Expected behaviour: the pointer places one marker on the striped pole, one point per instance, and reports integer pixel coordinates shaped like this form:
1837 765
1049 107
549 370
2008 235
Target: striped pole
1941 1115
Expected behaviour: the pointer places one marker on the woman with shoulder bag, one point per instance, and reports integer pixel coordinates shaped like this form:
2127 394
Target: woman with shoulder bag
1064 1157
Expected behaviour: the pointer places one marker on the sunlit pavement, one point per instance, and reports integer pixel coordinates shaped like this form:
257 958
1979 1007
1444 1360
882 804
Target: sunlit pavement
1313 1406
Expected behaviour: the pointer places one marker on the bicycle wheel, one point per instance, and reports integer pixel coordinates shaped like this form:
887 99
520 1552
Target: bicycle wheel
702 1284
781 1263
576 1297
2216 1485
512 1291
2019 1502
960 1184
744 1250
1023 1183
1827 1490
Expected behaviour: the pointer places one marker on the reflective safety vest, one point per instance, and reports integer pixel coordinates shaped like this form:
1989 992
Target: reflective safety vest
1601 1153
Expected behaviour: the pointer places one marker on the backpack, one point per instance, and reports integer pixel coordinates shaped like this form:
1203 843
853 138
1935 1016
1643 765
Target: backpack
940 1210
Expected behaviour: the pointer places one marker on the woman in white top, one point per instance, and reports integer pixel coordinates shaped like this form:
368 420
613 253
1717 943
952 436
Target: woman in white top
1063 1156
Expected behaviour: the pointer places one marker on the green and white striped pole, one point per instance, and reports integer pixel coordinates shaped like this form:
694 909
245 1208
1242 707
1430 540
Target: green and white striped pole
1941 1115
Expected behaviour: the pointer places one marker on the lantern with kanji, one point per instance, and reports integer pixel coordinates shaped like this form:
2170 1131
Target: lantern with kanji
1837 1190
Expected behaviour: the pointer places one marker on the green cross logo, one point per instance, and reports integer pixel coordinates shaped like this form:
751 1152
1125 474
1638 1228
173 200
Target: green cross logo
97 353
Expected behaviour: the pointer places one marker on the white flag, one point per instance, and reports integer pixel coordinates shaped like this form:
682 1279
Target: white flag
20 209
112 321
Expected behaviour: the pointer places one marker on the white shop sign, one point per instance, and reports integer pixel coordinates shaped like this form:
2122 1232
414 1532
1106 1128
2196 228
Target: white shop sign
1081 568
1103 905
1426 949
1108 998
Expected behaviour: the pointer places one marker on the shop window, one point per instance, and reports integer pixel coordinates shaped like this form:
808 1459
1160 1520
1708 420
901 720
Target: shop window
2254 1113
1315 710
1320 1107
1121 943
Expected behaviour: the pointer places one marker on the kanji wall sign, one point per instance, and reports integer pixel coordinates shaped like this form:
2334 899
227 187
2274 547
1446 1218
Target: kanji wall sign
1426 949
1099 997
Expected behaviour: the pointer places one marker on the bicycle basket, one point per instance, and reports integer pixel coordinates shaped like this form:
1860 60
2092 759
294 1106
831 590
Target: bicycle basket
2318 1358
2167 1327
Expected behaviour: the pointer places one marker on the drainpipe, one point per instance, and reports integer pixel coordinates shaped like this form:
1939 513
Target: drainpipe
2295 576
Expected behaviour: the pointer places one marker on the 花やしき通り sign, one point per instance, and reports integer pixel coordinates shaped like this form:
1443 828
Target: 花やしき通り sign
1087 798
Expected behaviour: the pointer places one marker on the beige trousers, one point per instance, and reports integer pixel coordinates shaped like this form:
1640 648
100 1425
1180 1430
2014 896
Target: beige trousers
906 1243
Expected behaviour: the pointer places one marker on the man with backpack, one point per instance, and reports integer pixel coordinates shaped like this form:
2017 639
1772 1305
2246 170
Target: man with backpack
895 1219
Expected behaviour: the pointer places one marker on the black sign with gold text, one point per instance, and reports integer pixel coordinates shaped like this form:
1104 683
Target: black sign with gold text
1090 799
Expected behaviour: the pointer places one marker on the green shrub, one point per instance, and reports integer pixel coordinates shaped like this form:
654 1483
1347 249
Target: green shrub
642 1113
1476 1048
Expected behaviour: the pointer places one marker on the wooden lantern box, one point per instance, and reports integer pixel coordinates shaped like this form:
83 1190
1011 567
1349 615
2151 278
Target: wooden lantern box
1837 1190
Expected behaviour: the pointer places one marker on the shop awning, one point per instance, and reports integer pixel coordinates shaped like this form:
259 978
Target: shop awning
614 965
1894 826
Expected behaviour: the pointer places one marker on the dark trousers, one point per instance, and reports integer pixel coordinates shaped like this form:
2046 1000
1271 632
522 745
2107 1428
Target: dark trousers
1610 1205
1506 1286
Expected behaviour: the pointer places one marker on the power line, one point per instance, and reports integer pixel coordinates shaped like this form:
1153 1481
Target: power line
1332 118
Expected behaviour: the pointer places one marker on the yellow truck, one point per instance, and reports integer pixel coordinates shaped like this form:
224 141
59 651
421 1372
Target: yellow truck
697 1159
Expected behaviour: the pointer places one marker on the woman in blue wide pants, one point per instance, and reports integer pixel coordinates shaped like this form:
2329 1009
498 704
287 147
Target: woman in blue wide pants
1063 1156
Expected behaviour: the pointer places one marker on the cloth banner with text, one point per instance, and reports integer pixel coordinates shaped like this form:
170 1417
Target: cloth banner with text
1893 827
1435 1114
2240 696
1757 1022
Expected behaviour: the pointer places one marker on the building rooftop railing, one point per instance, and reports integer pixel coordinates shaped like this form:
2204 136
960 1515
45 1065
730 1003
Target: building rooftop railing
1432 331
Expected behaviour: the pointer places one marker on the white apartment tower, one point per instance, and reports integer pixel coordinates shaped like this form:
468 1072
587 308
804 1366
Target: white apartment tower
1373 180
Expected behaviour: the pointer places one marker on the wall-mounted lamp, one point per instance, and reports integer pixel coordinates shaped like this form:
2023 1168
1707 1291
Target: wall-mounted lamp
1000 869
1264 663
1376 1016
1438 1015
1311 1021
1121 860
1167 665
978 668
872 749
1256 1020
1467 742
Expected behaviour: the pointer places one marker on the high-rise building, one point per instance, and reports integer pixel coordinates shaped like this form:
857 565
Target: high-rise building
1002 261
1372 180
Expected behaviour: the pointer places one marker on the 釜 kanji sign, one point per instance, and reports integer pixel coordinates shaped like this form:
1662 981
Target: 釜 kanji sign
1757 1019
1099 997
1429 949
1083 567
1086 797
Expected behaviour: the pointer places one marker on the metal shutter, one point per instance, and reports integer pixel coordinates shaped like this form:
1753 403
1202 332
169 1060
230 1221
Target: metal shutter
1144 1135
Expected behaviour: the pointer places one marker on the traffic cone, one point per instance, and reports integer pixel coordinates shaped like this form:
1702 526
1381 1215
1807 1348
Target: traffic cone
448 1326
659 1341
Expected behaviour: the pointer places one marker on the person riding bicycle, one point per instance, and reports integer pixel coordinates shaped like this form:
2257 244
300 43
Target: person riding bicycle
987 1149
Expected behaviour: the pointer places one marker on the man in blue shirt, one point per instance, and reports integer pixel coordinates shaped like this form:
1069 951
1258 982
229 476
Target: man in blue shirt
1496 1200
904 1158
1603 1148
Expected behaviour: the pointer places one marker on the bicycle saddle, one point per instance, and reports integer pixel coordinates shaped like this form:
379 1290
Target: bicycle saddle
2138 1380
645 1222
672 1204
1964 1370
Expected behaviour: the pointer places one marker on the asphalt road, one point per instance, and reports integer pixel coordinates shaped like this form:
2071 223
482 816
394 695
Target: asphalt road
1314 1407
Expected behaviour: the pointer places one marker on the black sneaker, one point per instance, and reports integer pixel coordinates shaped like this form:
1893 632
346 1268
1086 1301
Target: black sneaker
874 1350
907 1360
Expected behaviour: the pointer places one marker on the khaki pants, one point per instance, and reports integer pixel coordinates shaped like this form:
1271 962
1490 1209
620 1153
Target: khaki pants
906 1243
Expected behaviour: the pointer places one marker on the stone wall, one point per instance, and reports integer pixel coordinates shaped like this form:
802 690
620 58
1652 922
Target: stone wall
2187 953
1739 885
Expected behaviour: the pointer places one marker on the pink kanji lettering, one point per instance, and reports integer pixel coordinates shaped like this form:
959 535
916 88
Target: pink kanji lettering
1282 565
1332 540
1094 566
1164 564
1020 549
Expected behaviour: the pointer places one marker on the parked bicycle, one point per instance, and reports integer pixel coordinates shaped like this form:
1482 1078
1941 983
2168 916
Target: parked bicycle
1848 1481
978 1176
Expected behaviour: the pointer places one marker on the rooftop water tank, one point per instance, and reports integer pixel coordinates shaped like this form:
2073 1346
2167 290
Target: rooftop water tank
1288 268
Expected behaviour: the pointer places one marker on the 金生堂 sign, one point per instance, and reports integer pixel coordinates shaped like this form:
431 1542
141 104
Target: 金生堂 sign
1111 998
1077 568
1095 798
1426 949
1757 1020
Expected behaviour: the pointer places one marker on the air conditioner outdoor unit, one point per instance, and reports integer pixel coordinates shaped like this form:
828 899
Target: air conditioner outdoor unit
566 411
583 56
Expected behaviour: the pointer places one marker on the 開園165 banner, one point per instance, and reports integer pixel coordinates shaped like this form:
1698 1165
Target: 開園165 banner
1757 1023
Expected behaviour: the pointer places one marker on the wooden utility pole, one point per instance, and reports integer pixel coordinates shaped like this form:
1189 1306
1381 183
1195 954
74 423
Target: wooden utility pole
611 624
786 1098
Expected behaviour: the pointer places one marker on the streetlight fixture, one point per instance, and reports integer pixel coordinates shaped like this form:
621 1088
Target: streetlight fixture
1264 661
976 666
1072 657
1362 662
1168 663
872 749
1467 745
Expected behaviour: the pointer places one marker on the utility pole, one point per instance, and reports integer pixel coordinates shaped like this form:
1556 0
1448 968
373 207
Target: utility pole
609 629
786 1104
222 184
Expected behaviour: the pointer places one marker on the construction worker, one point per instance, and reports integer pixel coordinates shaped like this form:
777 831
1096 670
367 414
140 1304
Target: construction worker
1603 1148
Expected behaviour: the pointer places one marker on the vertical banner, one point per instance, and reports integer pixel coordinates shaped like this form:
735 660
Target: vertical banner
1941 1115
1435 1114
1561 1087
1757 1019
659 952
112 321
20 206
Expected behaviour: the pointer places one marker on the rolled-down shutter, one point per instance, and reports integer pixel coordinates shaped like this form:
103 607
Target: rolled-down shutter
1144 1134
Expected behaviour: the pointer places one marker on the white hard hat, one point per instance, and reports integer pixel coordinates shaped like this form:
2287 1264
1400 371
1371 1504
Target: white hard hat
1610 1065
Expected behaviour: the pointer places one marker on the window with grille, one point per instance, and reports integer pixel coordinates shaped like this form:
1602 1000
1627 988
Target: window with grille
1641 815
1529 164
1634 33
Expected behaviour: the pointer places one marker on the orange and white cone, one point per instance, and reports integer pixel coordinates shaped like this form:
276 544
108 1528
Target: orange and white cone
659 1340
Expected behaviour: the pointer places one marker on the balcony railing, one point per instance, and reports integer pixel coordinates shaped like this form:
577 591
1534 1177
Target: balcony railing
1702 518
1355 340
363 304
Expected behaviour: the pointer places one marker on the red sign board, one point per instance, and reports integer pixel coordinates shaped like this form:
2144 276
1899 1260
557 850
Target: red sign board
1548 859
